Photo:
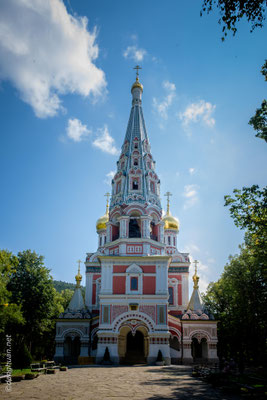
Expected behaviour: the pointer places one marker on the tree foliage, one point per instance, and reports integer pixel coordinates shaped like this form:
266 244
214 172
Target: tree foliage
238 299
259 120
232 11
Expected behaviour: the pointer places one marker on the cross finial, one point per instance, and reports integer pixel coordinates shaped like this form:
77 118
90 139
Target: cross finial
79 262
107 205
137 71
168 194
196 262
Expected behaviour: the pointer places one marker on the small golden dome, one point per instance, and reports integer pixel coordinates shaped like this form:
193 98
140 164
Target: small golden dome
101 223
137 84
170 222
78 277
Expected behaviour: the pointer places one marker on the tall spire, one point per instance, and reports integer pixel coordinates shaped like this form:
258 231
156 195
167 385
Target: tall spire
168 194
136 180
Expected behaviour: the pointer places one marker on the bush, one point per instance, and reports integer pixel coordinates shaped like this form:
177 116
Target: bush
63 368
21 357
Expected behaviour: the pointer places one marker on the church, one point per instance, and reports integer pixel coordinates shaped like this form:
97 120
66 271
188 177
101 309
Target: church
136 299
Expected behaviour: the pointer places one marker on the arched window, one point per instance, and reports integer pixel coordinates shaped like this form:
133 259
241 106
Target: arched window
136 162
136 145
152 187
135 184
134 229
169 240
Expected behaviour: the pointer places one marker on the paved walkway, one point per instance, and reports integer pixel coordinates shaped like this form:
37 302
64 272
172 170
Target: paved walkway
115 383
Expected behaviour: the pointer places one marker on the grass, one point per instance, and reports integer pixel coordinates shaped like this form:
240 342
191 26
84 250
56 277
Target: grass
16 372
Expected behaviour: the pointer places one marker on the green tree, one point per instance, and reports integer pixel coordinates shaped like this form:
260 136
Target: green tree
238 301
259 120
31 286
232 11
11 316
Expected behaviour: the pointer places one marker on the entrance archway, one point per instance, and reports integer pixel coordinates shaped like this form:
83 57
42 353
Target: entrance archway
199 349
72 348
133 347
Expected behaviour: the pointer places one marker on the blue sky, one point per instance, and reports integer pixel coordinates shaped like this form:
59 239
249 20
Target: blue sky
66 73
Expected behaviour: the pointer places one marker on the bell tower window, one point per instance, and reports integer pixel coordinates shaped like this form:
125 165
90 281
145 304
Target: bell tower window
134 229
152 187
135 184
136 145
136 162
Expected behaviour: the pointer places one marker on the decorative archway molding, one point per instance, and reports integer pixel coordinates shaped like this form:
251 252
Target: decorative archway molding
68 332
200 334
133 319
178 333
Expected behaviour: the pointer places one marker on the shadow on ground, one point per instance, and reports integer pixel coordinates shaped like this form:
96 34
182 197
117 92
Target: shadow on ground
184 386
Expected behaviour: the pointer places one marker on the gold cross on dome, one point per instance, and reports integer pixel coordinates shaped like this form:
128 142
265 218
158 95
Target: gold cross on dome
79 262
137 71
168 194
196 262
107 195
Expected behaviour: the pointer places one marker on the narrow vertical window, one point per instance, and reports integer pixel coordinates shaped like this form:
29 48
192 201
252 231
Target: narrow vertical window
134 283
105 317
161 315
171 295
169 240
135 184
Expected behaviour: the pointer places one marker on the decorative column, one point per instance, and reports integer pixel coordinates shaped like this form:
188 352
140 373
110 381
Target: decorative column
161 231
88 290
145 221
106 278
124 226
109 232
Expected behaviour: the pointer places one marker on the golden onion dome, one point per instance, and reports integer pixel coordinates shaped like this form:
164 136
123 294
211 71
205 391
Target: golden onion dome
78 277
170 222
137 84
101 223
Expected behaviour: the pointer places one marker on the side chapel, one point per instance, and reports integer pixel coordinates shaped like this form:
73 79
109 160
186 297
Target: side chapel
136 299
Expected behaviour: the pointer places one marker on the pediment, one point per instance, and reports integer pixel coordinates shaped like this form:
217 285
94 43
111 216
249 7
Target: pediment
134 269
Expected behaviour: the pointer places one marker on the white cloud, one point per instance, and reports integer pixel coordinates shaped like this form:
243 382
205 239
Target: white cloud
109 177
105 141
163 106
76 130
192 171
191 195
134 53
46 52
201 111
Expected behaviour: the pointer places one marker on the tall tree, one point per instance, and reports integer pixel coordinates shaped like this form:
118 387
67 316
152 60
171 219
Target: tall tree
31 286
232 11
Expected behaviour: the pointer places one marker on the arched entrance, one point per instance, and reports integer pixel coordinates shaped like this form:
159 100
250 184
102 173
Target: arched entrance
199 349
72 348
133 345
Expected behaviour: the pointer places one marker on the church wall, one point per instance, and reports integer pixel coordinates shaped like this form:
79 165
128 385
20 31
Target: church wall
149 284
119 284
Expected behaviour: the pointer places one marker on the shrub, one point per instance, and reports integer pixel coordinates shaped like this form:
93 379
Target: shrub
21 357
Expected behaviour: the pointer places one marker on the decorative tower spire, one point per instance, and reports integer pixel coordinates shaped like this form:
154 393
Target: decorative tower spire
136 180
